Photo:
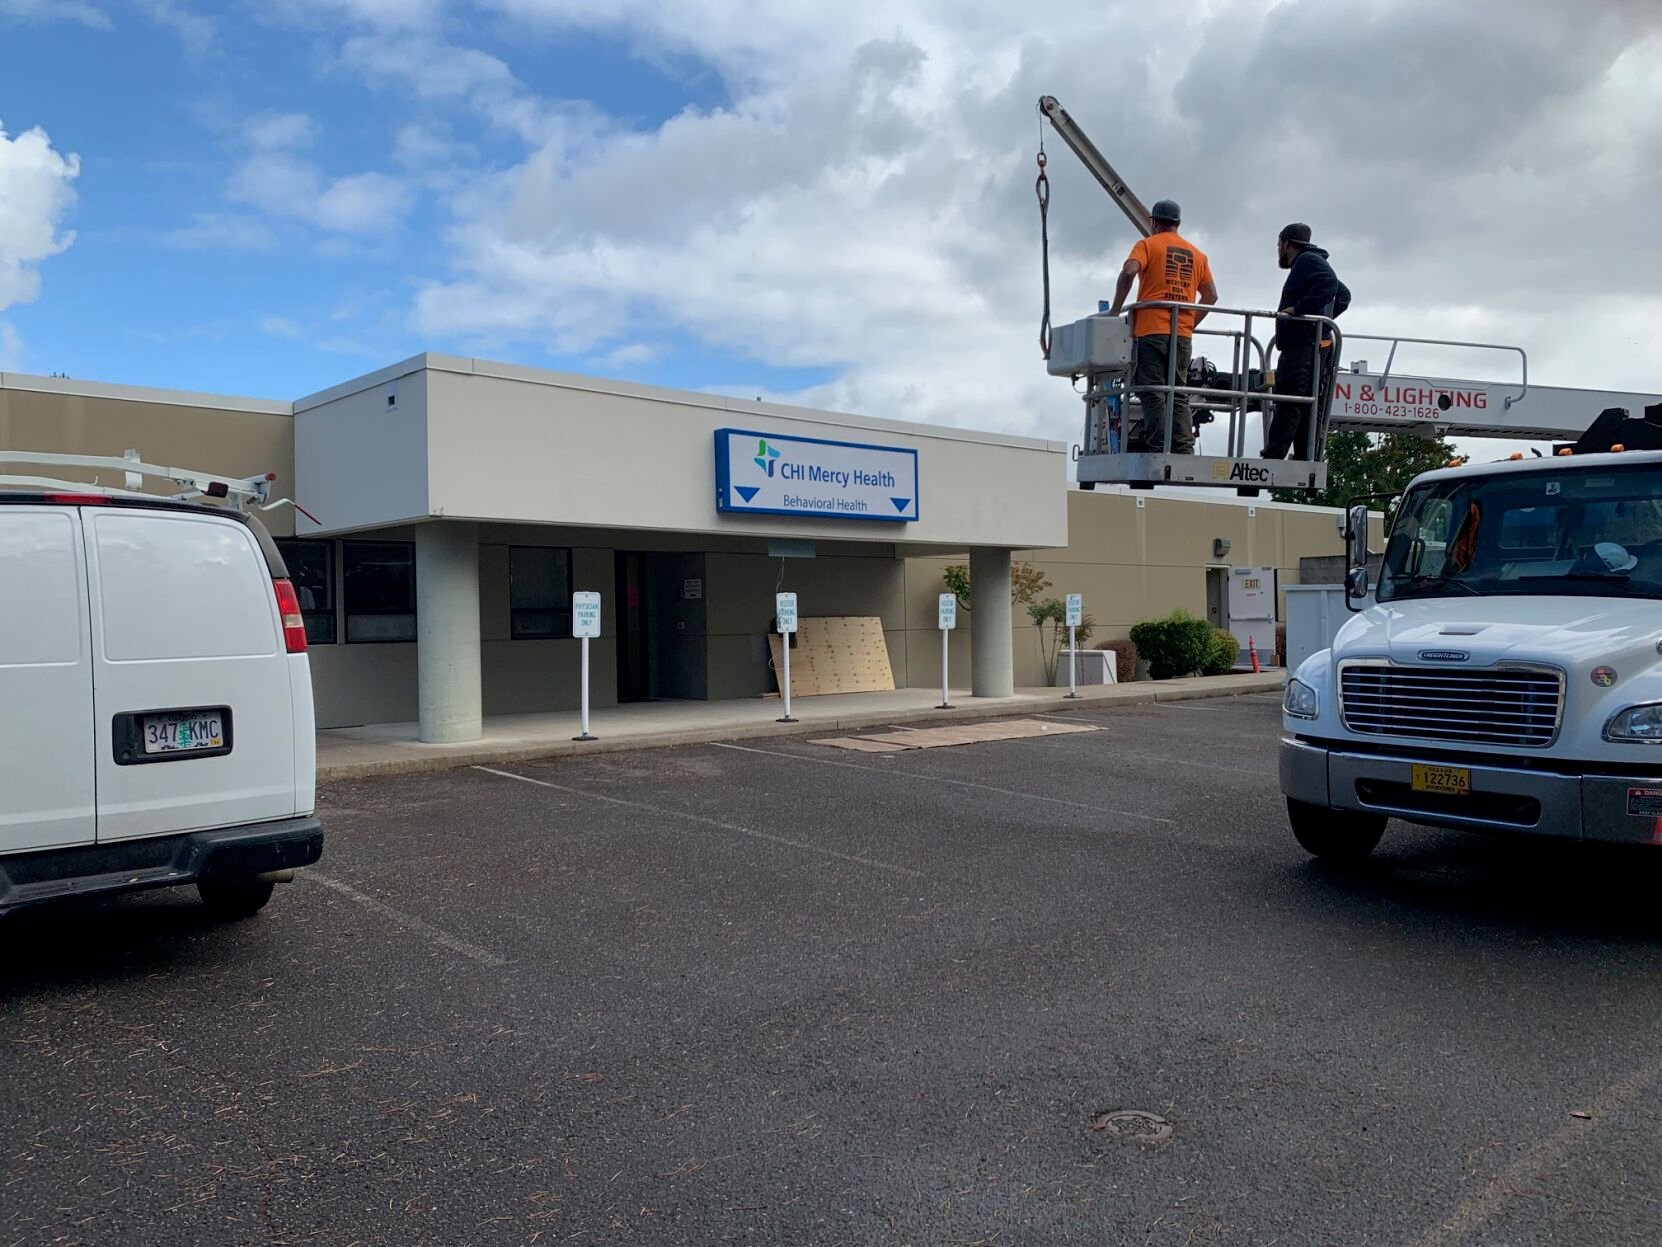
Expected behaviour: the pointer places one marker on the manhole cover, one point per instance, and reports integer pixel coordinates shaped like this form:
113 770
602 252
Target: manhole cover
1133 1123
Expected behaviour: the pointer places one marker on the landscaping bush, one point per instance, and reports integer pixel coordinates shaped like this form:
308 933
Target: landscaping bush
1177 645
1225 650
1125 658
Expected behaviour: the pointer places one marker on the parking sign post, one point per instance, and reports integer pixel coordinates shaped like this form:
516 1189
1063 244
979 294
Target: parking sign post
784 609
947 620
585 623
1075 616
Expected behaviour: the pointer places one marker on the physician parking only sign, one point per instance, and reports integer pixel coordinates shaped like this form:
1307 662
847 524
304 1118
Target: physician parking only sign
773 474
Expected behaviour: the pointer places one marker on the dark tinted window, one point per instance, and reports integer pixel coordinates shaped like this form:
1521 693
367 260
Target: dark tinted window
539 592
311 566
379 590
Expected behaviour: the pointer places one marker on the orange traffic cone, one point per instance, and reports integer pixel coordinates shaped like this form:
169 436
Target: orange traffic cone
1252 649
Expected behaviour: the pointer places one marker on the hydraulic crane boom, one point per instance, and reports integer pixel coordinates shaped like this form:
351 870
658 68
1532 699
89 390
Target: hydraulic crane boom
1098 165
1100 351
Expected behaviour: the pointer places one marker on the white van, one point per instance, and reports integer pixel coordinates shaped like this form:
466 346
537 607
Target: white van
155 700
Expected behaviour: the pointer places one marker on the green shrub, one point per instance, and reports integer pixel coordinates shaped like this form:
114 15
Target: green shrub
1225 650
1177 645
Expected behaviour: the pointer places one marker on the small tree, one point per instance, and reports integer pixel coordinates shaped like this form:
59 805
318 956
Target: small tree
1054 612
1026 583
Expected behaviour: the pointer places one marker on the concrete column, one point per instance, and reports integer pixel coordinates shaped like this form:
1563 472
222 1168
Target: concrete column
991 640
447 631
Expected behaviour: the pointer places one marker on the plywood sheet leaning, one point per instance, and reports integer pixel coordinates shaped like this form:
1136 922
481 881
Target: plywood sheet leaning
839 654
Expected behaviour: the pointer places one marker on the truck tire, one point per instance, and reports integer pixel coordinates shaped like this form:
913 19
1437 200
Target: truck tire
1335 835
234 898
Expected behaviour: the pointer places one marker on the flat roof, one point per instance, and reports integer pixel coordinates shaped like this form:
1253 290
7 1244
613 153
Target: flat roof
466 366
142 394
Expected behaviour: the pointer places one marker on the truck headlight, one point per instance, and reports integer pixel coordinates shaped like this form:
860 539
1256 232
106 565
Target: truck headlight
1640 725
1299 700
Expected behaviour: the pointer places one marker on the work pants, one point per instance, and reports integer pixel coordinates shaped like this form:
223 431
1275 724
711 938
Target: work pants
1291 428
1153 367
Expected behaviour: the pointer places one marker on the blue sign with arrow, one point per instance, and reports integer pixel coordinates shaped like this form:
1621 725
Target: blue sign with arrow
777 474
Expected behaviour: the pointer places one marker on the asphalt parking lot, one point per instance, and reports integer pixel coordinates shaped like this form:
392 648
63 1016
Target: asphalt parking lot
781 994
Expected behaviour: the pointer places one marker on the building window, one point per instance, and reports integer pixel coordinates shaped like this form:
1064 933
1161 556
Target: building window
379 590
539 592
311 567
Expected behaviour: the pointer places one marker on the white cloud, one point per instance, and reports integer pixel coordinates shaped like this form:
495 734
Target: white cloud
282 327
58 10
35 197
11 348
197 32
864 204
437 72
384 14
271 132
220 231
277 179
633 354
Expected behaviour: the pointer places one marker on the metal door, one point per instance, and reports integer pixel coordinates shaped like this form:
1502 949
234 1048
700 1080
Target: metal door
47 783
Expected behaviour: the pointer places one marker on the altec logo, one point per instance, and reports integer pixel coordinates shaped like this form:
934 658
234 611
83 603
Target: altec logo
766 456
1246 472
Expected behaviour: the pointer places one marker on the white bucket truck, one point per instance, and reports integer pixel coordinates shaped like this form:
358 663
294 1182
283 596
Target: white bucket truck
1508 675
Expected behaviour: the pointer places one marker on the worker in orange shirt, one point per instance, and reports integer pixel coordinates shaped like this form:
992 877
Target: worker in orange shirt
1169 268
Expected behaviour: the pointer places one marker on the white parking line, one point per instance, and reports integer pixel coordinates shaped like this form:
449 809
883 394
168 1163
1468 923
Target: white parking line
717 823
1118 753
955 783
409 921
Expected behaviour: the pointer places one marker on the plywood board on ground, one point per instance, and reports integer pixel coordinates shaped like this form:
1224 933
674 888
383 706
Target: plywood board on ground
840 654
954 734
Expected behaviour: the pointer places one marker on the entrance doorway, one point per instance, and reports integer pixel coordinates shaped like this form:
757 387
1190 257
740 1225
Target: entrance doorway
1217 597
660 626
634 635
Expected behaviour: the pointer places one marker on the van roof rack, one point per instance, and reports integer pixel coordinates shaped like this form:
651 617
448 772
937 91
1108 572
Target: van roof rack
240 492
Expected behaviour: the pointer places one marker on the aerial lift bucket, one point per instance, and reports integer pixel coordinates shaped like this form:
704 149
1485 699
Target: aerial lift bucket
1100 351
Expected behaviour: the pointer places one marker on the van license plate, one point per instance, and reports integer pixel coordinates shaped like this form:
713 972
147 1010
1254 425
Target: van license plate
1450 781
183 733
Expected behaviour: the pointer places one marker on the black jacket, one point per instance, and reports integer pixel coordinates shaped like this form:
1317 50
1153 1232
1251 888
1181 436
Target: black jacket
1312 289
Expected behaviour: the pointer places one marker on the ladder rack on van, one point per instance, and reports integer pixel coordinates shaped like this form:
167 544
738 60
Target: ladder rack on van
242 492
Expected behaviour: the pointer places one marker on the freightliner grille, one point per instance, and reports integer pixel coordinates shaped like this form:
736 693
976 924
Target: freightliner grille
1496 706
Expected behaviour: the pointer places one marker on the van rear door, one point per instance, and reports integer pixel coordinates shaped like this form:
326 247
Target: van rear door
194 716
46 724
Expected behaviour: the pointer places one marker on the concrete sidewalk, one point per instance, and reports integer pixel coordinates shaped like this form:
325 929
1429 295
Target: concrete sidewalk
393 748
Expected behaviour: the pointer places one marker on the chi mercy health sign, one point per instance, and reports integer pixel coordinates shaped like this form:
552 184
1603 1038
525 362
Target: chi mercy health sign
772 474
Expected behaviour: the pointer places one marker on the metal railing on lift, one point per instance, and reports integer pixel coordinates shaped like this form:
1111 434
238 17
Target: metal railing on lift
1241 396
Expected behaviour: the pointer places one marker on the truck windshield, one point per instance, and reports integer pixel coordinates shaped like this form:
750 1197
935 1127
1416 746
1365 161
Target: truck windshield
1575 532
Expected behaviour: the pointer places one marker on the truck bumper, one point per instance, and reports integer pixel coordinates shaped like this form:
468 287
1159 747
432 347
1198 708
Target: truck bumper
158 862
1608 808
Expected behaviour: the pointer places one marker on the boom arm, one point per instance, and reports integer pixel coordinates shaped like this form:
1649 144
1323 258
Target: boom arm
1097 164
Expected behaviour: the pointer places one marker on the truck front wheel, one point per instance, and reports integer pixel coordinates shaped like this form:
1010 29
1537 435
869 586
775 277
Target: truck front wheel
1335 835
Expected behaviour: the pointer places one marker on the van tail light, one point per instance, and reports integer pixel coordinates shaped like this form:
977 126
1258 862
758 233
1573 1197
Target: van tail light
294 623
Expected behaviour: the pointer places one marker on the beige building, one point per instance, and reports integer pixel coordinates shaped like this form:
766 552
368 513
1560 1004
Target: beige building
451 506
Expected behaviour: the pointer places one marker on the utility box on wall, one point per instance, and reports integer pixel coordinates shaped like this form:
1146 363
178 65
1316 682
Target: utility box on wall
1252 608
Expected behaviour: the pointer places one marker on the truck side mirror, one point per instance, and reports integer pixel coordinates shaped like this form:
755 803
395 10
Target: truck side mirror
1356 536
1356 555
1356 587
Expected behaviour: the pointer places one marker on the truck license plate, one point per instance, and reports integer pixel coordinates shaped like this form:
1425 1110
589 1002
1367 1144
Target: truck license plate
183 733
1449 781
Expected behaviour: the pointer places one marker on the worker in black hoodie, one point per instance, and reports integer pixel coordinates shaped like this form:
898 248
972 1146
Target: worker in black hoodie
1312 289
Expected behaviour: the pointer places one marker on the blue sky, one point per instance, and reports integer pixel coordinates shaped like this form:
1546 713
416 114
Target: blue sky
822 203
176 278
